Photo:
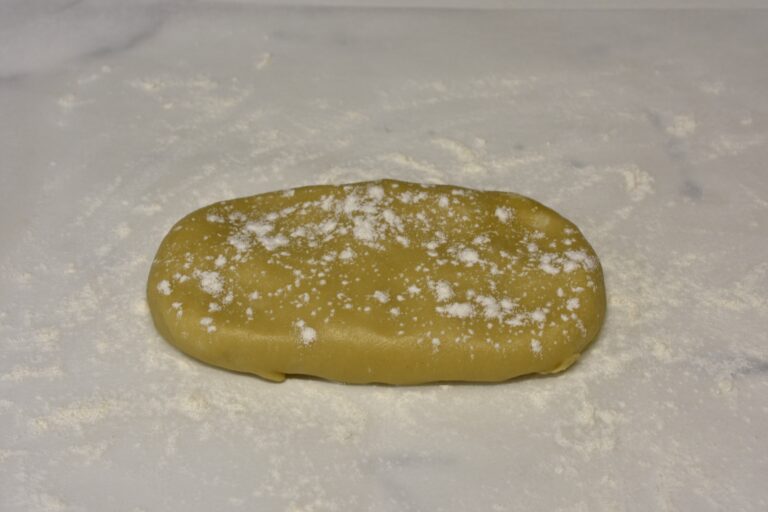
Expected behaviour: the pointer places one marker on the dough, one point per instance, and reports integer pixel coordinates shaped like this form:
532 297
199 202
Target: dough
382 281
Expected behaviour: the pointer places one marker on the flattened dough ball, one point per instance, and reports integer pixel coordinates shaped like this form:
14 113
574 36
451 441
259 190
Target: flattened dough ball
382 281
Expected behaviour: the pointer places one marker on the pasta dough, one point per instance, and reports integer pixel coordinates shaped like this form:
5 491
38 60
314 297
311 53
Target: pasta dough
382 281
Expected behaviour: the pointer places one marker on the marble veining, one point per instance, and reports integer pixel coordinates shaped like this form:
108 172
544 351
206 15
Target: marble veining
647 128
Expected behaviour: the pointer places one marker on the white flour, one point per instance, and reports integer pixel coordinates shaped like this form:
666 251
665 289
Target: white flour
667 185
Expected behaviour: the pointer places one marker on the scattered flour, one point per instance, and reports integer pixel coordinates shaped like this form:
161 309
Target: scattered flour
443 291
469 256
380 296
573 416
681 126
164 287
503 214
23 373
210 282
638 183
307 335
457 309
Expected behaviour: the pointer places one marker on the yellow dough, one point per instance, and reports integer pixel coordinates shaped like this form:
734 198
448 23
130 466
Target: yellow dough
382 281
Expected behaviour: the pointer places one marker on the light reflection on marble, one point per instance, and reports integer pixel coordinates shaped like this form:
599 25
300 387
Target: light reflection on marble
648 129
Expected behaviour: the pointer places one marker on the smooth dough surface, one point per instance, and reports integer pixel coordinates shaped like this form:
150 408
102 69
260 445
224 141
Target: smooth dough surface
385 281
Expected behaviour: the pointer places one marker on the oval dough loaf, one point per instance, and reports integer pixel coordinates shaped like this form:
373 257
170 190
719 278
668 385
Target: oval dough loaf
383 281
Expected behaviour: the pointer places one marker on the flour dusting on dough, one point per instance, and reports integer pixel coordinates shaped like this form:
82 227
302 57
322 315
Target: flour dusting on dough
307 242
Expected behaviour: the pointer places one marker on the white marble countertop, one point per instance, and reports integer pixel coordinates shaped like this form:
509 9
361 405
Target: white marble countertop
649 129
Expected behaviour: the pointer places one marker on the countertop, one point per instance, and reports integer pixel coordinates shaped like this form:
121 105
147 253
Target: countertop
647 128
